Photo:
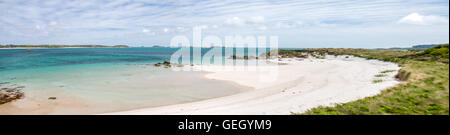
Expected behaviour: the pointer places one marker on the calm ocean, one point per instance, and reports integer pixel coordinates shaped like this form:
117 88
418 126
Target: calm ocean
97 80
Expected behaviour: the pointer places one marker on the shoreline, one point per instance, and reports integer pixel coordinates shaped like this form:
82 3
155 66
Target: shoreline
53 48
90 91
301 85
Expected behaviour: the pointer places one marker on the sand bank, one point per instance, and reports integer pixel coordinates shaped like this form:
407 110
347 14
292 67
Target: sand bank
301 84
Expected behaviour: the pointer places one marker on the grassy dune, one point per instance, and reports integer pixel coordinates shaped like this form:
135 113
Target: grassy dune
425 90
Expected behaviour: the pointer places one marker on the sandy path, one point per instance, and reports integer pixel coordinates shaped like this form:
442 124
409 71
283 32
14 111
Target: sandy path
300 85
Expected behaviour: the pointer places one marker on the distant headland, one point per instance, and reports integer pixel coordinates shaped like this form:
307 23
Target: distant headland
414 47
63 46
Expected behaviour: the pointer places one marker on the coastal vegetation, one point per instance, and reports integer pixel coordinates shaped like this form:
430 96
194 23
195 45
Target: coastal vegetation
380 75
387 71
377 81
424 89
62 46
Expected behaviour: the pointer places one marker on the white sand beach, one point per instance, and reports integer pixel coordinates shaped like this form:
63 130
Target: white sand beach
301 84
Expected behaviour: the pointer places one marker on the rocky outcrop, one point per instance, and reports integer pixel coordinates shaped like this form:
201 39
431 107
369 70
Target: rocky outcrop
234 57
10 94
167 64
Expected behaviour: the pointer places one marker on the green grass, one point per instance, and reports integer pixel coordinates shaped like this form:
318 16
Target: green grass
425 91
387 71
320 57
440 51
380 75
377 81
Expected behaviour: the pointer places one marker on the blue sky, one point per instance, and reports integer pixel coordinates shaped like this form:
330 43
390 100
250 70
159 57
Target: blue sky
297 23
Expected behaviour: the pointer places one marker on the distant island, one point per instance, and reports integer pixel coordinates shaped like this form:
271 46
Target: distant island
414 47
63 46
159 46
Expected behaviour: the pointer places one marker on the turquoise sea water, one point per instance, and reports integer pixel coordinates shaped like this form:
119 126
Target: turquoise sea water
20 59
97 80
16 59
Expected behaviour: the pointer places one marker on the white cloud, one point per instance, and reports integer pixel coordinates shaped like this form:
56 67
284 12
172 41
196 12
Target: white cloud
257 19
145 30
235 21
203 26
148 32
38 27
53 23
286 24
418 19
181 29
166 30
262 28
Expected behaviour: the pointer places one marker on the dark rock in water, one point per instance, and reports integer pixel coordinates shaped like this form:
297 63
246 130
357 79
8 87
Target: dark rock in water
30 50
10 94
252 57
51 98
166 63
246 57
10 90
234 57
